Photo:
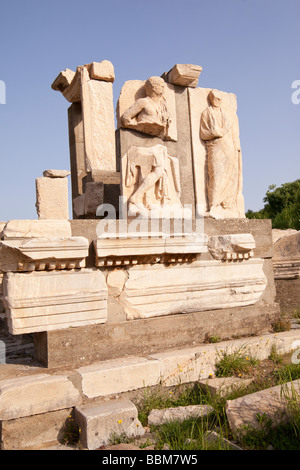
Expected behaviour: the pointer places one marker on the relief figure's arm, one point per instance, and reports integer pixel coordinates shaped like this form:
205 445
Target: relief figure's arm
132 112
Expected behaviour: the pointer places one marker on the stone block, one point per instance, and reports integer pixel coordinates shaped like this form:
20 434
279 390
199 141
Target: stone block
286 259
274 403
223 385
31 395
36 229
179 413
98 124
52 198
186 75
34 432
86 204
288 294
78 206
220 441
119 338
105 177
76 147
63 80
234 246
20 255
260 229
118 375
103 70
197 363
135 248
115 281
100 422
185 365
56 173
43 301
93 197
156 290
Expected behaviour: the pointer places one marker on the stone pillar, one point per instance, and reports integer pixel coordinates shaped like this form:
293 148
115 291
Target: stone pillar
98 119
76 144
91 120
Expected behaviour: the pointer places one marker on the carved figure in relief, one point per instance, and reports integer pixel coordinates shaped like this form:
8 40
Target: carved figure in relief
150 114
152 178
219 130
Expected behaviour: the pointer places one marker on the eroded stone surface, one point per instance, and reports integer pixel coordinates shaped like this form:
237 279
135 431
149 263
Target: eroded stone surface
156 290
99 423
19 255
286 259
118 375
26 396
180 413
36 229
272 403
56 173
184 75
223 385
43 301
52 198
235 246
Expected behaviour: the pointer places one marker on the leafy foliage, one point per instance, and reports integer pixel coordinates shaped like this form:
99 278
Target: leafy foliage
282 206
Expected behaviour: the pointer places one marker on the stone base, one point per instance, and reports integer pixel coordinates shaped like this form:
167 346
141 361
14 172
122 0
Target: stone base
87 345
191 323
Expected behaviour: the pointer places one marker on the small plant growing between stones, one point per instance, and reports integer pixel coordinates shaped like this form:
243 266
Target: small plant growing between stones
71 431
234 363
118 439
274 355
283 324
214 339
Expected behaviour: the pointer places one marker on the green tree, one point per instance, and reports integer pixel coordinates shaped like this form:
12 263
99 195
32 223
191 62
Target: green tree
282 206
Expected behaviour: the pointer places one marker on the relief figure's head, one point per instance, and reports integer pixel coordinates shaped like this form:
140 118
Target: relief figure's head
215 98
155 86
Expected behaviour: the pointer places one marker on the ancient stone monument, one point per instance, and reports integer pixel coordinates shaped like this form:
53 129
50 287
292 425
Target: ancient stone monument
158 253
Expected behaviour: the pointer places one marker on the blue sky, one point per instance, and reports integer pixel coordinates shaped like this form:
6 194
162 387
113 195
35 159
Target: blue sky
247 47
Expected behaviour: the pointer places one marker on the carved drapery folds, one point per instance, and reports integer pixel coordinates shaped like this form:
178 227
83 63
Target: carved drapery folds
219 130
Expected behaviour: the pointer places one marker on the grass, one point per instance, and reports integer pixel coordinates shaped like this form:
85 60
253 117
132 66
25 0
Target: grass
234 363
166 398
192 434
283 437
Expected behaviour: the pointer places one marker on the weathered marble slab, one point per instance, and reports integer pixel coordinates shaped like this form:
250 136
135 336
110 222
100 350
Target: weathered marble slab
36 229
156 290
19 255
43 301
136 249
